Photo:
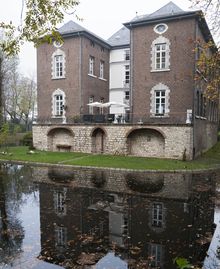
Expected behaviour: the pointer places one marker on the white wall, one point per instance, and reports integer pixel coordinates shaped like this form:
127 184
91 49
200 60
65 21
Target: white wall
117 79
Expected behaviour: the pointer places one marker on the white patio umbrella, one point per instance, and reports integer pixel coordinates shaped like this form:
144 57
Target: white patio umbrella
95 104
113 103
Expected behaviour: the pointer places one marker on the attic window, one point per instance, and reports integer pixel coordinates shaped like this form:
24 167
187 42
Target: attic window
160 28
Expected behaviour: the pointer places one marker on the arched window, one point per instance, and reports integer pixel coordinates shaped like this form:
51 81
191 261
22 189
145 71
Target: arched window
160 54
58 103
58 64
160 100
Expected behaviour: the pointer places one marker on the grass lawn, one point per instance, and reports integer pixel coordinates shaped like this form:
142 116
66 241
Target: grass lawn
208 160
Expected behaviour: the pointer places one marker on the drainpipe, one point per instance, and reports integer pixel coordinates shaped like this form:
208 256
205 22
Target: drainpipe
194 92
131 72
80 75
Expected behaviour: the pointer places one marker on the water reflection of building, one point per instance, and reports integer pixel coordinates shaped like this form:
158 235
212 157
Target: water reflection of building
83 221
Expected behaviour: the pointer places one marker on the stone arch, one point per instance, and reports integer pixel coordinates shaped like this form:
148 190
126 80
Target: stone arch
146 142
60 139
98 140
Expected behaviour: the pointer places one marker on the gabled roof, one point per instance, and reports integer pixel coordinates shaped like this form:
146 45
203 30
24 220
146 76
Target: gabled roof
171 12
169 8
167 12
120 39
72 28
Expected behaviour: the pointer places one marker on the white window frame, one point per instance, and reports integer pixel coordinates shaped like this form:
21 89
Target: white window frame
127 76
101 72
91 65
163 54
160 87
58 64
160 56
157 215
127 55
156 30
58 61
58 104
160 102
60 202
60 236
156 251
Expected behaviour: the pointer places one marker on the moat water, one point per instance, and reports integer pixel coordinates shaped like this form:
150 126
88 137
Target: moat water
88 219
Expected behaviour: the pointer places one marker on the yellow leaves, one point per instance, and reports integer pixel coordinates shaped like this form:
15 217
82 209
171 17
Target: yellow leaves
40 20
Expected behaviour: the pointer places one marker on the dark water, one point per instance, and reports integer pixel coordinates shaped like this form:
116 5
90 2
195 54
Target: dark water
67 218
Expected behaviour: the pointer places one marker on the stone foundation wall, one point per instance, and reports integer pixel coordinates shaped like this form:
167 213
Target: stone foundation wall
175 141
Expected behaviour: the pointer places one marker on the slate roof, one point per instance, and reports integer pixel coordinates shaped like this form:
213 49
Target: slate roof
121 38
72 28
168 11
171 12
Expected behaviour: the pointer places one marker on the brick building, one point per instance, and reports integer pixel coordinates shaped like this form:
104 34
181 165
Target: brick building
168 115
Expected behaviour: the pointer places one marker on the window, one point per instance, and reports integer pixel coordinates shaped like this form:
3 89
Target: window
127 95
127 55
91 100
91 65
58 103
101 75
160 28
60 202
127 76
160 100
160 57
58 64
157 215
156 251
160 60
60 236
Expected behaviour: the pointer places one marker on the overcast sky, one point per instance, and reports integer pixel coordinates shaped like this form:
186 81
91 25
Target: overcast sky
102 17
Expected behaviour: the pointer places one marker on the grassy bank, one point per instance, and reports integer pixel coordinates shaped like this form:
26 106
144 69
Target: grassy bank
208 160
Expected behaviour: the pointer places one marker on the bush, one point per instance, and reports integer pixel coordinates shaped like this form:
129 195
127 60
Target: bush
27 140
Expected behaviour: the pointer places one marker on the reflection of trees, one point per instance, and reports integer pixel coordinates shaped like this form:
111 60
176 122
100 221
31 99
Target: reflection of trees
14 182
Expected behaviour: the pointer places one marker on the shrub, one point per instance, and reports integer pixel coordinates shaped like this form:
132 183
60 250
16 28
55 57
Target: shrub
27 140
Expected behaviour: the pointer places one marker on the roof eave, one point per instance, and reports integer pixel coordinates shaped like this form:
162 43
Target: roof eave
134 24
115 47
88 35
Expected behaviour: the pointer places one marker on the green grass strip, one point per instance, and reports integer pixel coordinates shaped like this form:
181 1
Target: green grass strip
208 160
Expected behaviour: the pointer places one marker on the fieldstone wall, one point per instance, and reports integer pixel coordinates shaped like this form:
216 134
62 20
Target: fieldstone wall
175 141
174 184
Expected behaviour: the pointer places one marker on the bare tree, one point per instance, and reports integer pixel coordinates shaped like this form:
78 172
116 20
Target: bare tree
211 9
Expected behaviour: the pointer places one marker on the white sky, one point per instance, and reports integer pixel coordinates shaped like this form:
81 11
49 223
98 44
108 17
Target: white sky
102 17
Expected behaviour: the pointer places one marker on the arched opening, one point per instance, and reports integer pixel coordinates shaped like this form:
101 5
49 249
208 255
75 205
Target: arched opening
98 141
145 183
60 139
146 143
